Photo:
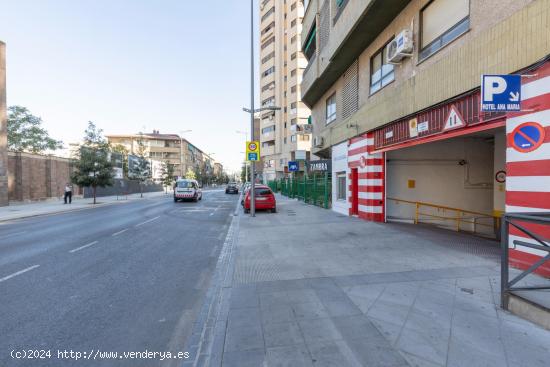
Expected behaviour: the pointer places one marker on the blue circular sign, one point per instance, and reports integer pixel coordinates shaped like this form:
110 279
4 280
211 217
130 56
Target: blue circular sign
527 137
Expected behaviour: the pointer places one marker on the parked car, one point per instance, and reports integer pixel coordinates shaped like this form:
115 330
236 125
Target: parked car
264 199
186 189
232 188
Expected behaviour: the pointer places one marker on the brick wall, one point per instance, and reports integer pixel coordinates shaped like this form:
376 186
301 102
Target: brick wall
37 177
3 132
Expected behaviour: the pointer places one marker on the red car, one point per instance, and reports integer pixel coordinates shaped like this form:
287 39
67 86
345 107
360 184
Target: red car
264 199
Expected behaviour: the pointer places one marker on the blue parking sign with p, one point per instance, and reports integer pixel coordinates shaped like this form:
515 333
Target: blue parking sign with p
293 166
500 93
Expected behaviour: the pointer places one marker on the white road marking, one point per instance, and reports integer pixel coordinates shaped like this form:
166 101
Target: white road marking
83 247
147 221
119 232
18 273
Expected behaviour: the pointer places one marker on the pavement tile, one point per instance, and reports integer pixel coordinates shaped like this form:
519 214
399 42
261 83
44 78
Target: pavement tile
434 324
475 305
243 316
243 298
376 355
466 354
359 327
415 361
282 334
322 284
302 296
290 356
332 353
318 330
390 331
310 310
341 307
270 299
247 358
390 312
277 314
429 346
244 338
330 294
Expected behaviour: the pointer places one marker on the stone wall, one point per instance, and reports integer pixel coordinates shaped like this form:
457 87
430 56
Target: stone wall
37 177
3 130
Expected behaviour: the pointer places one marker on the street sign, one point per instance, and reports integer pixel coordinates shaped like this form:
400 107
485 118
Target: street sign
252 150
321 165
500 93
293 166
454 120
527 137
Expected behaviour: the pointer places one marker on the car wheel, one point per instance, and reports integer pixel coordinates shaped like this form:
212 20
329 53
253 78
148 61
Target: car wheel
200 197
175 200
274 210
246 211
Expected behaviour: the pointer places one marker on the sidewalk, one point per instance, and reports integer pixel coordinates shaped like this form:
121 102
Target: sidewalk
54 206
308 287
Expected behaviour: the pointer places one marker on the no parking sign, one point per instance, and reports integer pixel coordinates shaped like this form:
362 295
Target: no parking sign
527 137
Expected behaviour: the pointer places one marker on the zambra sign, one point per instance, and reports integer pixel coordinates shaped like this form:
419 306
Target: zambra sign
322 165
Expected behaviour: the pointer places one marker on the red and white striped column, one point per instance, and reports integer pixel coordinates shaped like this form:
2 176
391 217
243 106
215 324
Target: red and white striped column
528 171
369 179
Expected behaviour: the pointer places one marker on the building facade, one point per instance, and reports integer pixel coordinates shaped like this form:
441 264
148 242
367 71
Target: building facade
4 200
167 148
284 135
394 89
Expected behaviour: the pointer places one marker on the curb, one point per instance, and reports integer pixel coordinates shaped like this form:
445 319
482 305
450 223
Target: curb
205 345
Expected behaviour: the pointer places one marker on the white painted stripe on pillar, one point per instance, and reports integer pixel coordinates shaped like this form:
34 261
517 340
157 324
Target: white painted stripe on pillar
371 209
371 182
523 209
529 250
528 183
541 117
535 88
542 152
370 195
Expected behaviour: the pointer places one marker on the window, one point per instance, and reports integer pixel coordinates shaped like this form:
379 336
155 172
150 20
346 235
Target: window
268 86
293 6
268 102
268 57
293 39
284 140
269 71
293 56
293 23
311 44
293 72
441 22
268 42
268 28
381 73
293 89
268 13
341 186
331 109
303 137
267 130
293 138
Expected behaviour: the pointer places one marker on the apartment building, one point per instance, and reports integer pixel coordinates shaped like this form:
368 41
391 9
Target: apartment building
285 135
166 148
394 88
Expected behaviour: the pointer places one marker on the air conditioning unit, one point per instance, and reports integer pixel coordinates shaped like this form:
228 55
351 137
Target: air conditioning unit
400 47
318 141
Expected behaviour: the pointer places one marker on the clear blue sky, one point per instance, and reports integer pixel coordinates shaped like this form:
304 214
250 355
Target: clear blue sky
170 65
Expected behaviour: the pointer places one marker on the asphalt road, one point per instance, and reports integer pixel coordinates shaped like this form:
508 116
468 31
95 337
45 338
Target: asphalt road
120 278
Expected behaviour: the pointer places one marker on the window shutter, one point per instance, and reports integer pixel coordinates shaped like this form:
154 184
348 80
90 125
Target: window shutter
350 94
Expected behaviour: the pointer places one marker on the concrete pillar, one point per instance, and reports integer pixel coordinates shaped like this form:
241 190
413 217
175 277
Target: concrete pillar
3 129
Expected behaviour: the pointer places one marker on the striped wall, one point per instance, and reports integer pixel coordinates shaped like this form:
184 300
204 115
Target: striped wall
370 168
528 174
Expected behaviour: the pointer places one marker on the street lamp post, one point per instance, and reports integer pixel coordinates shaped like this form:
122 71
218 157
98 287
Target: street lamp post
253 111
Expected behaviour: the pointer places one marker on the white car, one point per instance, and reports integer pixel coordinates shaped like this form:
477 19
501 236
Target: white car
187 190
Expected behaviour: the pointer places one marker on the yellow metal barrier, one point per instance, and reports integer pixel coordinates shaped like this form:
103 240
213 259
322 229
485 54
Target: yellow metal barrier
459 216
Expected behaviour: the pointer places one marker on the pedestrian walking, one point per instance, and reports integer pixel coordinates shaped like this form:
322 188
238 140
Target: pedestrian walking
68 193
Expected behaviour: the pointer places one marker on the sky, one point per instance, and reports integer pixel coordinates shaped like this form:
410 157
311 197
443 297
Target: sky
133 65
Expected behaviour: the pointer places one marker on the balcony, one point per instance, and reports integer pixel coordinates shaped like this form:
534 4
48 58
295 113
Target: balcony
356 26
266 151
270 136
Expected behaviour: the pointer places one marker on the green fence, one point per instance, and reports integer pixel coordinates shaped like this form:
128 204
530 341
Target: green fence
314 189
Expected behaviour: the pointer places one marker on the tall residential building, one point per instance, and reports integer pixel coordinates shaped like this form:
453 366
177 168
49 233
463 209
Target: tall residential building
3 129
285 135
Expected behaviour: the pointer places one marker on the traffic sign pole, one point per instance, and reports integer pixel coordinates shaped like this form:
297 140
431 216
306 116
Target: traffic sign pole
252 71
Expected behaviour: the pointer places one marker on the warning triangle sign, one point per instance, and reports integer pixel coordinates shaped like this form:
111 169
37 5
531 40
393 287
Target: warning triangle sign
454 119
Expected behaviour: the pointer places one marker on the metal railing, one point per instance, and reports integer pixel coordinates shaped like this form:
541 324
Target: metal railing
464 220
519 221
314 189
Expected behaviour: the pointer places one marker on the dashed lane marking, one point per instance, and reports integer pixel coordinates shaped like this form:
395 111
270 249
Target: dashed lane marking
119 232
147 221
18 273
83 247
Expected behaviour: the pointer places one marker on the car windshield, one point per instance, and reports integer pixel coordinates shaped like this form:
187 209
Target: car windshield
232 184
185 184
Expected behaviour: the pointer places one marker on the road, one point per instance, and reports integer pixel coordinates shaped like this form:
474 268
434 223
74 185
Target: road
120 278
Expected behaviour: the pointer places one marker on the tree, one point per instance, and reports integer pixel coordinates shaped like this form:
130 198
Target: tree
93 166
141 170
26 134
167 174
190 175
244 171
